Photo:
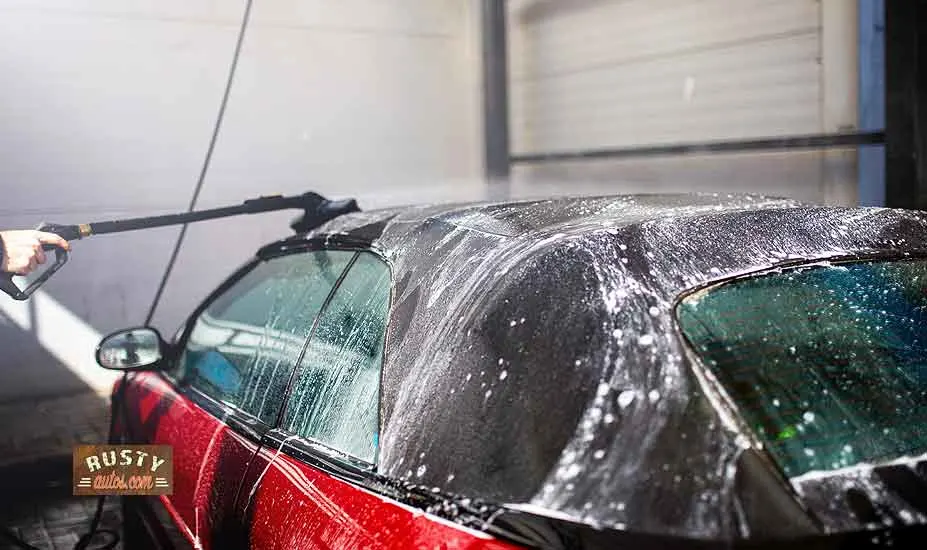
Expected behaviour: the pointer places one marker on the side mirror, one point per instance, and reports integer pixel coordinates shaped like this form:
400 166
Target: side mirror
132 349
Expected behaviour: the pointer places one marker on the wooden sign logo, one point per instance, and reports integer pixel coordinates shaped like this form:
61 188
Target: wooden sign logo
123 470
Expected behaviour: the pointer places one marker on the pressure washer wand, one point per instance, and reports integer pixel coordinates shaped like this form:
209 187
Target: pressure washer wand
316 211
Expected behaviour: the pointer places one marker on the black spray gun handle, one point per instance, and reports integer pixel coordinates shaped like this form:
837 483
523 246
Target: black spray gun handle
61 257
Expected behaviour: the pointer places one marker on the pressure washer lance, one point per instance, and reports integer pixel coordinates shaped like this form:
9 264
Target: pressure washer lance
316 211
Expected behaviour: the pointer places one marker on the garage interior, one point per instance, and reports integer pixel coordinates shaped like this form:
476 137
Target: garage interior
116 108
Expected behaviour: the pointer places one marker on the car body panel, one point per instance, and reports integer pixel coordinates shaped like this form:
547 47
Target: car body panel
311 509
210 459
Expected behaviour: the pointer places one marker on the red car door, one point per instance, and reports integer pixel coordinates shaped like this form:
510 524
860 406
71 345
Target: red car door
305 488
226 387
206 452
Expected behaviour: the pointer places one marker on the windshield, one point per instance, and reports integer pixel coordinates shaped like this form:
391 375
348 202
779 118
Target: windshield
827 363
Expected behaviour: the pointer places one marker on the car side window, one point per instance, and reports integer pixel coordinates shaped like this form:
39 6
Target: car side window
244 346
335 397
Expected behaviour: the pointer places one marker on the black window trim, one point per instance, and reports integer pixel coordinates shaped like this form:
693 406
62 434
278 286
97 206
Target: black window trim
320 456
239 420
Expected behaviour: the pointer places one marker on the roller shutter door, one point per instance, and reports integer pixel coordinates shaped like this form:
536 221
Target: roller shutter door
596 73
591 74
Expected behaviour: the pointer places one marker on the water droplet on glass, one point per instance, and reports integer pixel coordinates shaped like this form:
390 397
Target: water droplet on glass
503 375
654 311
501 360
645 340
617 333
654 396
421 471
488 394
571 471
808 416
775 402
626 397
598 454
512 323
578 362
609 418
809 452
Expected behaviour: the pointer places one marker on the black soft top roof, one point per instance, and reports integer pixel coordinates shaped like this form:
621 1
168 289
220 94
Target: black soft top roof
532 356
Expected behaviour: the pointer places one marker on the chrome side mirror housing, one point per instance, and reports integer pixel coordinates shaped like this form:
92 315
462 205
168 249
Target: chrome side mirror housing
133 349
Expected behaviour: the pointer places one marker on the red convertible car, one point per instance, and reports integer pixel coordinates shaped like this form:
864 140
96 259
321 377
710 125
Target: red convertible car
615 372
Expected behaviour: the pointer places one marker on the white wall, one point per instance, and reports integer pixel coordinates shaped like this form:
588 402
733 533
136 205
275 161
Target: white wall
373 99
107 106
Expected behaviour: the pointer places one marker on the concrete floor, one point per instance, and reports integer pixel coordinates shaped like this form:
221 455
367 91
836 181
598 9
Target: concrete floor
45 409
36 441
39 508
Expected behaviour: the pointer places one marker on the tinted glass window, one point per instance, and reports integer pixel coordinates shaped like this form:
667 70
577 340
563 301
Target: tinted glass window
244 346
828 364
336 395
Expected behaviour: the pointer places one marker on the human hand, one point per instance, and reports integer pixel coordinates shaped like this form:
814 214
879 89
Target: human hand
22 249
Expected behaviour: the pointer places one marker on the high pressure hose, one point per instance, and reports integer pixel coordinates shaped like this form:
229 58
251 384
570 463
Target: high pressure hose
206 161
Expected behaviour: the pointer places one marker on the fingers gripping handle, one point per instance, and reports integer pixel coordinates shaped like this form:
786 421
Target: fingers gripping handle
6 279
61 257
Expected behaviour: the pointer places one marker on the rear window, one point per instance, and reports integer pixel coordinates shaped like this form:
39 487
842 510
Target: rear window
827 363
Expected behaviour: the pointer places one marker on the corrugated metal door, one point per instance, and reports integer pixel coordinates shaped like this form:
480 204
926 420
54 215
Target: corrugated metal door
590 74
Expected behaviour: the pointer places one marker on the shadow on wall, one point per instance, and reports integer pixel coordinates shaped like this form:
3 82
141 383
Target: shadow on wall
33 372
48 352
